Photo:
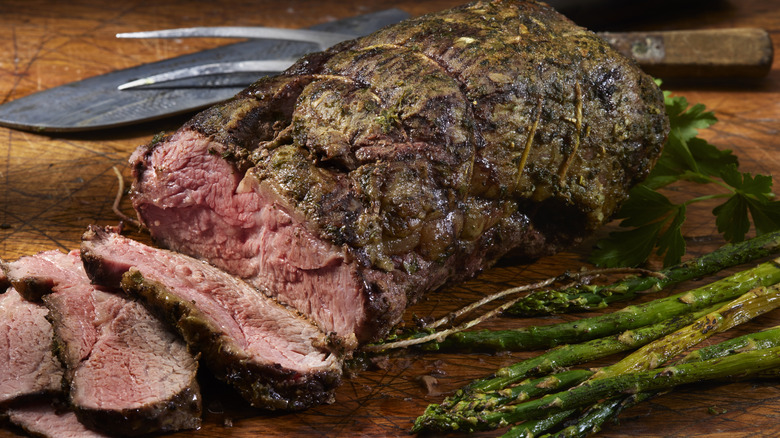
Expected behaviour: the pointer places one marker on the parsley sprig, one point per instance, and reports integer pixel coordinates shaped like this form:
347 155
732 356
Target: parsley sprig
655 221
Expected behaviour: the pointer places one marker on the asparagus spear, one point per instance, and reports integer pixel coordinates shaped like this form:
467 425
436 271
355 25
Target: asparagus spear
634 316
584 297
752 341
525 390
572 354
495 391
492 392
532 428
754 303
739 364
579 353
598 414
748 306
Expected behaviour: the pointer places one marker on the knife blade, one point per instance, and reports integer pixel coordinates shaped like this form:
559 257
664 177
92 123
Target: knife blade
257 67
96 102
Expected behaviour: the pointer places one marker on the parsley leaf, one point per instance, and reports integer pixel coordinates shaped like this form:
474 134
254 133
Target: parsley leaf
732 219
655 222
626 248
671 242
687 121
766 216
686 156
751 194
709 159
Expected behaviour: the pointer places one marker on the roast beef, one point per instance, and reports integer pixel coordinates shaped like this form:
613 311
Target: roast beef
41 418
27 362
274 357
385 167
127 373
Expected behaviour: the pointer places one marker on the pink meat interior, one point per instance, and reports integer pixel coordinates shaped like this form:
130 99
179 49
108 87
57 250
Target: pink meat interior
241 227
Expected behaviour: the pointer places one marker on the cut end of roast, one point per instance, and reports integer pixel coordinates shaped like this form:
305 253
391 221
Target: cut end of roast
208 209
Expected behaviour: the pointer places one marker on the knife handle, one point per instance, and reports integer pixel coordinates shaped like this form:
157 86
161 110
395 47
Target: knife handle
715 53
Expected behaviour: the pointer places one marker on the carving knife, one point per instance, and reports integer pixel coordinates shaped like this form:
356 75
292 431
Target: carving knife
690 53
115 99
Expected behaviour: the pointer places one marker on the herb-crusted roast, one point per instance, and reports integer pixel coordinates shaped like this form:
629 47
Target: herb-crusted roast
389 165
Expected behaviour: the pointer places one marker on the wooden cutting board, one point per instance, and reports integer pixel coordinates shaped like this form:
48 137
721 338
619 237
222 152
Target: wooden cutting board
52 187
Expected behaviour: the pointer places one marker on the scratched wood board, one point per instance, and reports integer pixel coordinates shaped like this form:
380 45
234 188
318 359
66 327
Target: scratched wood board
52 187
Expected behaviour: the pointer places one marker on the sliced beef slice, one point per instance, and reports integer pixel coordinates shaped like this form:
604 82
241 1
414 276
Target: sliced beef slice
28 364
127 372
385 167
41 418
273 356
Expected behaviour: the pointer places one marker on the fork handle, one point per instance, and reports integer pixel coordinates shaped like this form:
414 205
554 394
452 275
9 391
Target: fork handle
739 52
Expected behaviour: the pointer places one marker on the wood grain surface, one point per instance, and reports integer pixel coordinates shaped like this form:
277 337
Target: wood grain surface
52 187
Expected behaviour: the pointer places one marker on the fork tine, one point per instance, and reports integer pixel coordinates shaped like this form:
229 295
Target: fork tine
323 39
267 66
